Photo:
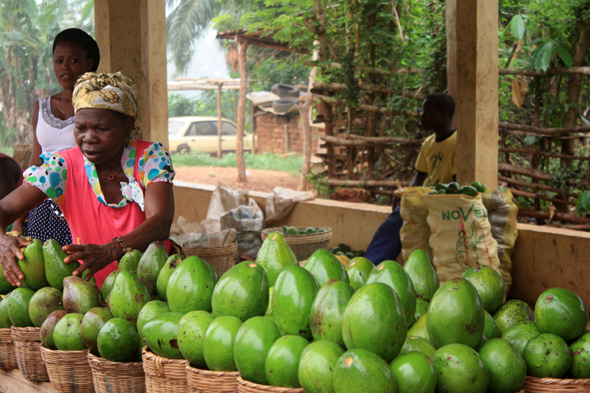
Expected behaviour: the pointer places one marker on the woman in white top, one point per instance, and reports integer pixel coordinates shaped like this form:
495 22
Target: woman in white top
74 53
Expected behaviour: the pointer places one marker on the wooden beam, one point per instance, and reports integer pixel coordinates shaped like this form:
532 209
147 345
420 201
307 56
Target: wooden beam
369 142
368 87
369 108
558 71
544 131
219 87
477 91
241 164
367 183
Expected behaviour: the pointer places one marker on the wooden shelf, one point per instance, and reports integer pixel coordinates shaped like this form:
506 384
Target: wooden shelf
13 381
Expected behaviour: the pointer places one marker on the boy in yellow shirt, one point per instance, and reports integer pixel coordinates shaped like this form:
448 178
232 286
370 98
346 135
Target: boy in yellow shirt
436 164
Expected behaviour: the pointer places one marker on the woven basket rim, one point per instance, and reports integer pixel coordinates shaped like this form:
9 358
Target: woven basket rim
6 335
558 382
92 358
268 388
210 373
266 231
227 248
29 333
80 354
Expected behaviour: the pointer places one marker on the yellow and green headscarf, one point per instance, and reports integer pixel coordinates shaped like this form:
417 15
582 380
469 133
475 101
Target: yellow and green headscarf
116 92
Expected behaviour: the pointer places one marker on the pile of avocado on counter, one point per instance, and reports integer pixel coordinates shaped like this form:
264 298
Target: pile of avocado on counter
455 188
329 326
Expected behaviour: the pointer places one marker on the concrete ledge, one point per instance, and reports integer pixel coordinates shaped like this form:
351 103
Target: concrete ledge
13 381
543 257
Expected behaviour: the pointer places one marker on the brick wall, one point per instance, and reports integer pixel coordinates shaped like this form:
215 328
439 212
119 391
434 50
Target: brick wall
271 135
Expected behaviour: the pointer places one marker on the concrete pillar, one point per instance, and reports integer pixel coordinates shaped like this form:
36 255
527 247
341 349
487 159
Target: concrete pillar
131 35
477 91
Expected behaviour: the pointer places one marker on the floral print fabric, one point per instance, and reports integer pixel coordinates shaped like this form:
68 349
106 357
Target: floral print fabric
115 92
153 166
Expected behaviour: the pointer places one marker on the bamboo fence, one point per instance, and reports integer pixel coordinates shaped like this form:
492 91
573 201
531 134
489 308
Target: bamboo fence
351 158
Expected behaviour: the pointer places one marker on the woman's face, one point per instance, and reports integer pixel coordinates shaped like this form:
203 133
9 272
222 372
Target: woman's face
69 62
101 134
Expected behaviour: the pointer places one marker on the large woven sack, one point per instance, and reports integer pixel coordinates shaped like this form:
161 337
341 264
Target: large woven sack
461 235
502 214
415 232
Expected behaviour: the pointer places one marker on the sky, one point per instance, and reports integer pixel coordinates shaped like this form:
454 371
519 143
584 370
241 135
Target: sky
208 61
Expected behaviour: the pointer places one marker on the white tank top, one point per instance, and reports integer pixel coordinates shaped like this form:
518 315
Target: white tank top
53 134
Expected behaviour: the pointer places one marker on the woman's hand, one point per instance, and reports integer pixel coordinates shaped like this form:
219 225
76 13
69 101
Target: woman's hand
10 250
94 257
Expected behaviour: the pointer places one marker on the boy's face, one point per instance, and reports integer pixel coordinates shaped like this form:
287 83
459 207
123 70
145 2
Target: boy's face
432 116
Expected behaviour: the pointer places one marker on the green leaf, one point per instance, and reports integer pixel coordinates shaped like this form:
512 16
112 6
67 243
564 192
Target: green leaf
543 56
565 55
584 201
86 10
530 140
517 26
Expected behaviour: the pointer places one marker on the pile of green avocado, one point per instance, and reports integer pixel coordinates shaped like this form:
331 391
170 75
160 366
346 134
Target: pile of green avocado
325 327
343 249
455 188
295 231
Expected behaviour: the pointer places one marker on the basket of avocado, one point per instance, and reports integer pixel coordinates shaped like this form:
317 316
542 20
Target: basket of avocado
304 241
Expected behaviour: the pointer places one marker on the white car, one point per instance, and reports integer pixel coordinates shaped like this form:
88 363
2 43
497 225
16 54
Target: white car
199 133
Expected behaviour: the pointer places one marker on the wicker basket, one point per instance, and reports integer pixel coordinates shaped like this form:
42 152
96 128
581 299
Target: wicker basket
7 356
251 387
206 381
303 245
164 375
221 258
68 371
543 385
116 377
28 354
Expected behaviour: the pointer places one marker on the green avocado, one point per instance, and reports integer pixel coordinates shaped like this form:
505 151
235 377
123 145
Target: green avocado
48 327
281 366
18 307
479 186
293 295
191 335
547 356
253 341
489 285
33 266
190 286
490 329
5 287
441 187
580 350
161 335
274 254
422 273
241 292
414 373
129 261
128 296
79 295
93 321
561 312
505 365
394 275
421 308
55 268
327 311
418 329
107 285
44 302
358 271
512 313
383 329
459 369
453 188
456 315
150 264
469 190
148 312
118 340
359 370
324 266
218 345
316 366
420 344
66 334
162 282
5 322
520 334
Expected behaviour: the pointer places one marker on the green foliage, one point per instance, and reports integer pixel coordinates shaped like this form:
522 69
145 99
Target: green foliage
266 161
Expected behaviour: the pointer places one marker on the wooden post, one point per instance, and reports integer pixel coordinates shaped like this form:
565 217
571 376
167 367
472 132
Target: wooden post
477 91
219 87
253 120
304 115
241 115
286 136
451 16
